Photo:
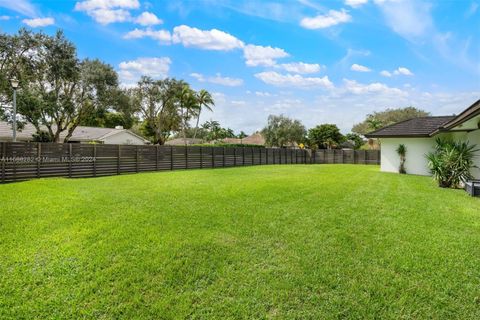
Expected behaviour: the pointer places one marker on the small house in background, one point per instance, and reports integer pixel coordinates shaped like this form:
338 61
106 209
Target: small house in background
419 134
118 135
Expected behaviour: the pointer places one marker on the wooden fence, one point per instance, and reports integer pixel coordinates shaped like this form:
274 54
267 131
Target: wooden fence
23 161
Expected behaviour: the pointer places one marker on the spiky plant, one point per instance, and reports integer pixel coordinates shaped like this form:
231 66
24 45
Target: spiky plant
402 152
451 161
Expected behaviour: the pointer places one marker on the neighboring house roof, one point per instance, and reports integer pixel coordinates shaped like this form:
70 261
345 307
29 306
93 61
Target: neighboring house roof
255 138
80 134
426 126
416 127
182 141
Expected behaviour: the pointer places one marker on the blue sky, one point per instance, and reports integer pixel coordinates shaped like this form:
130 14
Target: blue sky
317 61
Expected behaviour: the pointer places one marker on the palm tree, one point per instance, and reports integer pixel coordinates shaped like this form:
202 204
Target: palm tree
204 99
188 106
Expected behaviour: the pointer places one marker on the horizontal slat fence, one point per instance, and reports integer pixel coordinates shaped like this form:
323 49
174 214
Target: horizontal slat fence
23 161
345 156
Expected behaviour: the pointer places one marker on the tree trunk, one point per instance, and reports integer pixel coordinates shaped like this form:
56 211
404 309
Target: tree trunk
196 126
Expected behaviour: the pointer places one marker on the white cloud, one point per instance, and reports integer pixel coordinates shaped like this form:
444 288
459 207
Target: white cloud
411 19
205 39
238 102
262 56
163 36
218 79
148 19
4 18
89 5
332 18
386 73
289 80
107 16
359 68
301 67
263 94
355 3
24 7
39 22
131 71
403 71
355 87
108 11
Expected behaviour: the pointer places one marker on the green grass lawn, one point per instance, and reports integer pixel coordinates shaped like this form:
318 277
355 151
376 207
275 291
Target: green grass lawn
290 241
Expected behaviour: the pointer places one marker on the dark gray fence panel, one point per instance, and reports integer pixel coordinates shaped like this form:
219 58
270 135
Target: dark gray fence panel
22 161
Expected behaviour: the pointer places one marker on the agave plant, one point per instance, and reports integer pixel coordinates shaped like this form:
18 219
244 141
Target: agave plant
451 161
402 152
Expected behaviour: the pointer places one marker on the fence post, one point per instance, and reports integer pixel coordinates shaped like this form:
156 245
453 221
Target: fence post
354 156
343 156
201 157
94 160
223 153
243 156
136 158
260 155
186 157
213 157
234 156
171 157
253 158
39 154
118 159
266 155
157 150
70 154
4 156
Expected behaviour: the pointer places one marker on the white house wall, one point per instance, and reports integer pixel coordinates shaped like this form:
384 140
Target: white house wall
417 148
474 138
123 138
415 162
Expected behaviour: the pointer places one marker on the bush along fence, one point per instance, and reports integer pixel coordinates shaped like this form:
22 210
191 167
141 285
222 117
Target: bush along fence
23 161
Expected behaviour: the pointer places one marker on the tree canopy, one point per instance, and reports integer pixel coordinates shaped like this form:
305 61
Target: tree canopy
325 136
381 119
282 131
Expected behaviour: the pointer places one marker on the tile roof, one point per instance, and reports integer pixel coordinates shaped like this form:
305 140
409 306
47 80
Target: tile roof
80 134
417 127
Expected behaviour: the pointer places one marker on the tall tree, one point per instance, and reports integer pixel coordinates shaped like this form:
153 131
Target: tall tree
157 104
281 131
325 136
16 60
380 119
188 106
204 100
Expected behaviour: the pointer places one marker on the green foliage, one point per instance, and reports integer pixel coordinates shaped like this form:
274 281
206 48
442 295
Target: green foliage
259 242
228 145
282 131
380 119
325 136
242 135
402 152
451 162
357 140
57 90
42 136
213 131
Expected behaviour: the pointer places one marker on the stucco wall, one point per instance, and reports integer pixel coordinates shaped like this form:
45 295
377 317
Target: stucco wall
474 138
415 160
417 148
123 138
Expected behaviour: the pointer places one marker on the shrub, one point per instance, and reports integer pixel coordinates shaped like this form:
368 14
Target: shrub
402 152
451 161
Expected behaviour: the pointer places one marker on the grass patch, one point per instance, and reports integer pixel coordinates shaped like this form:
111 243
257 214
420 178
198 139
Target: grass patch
290 241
